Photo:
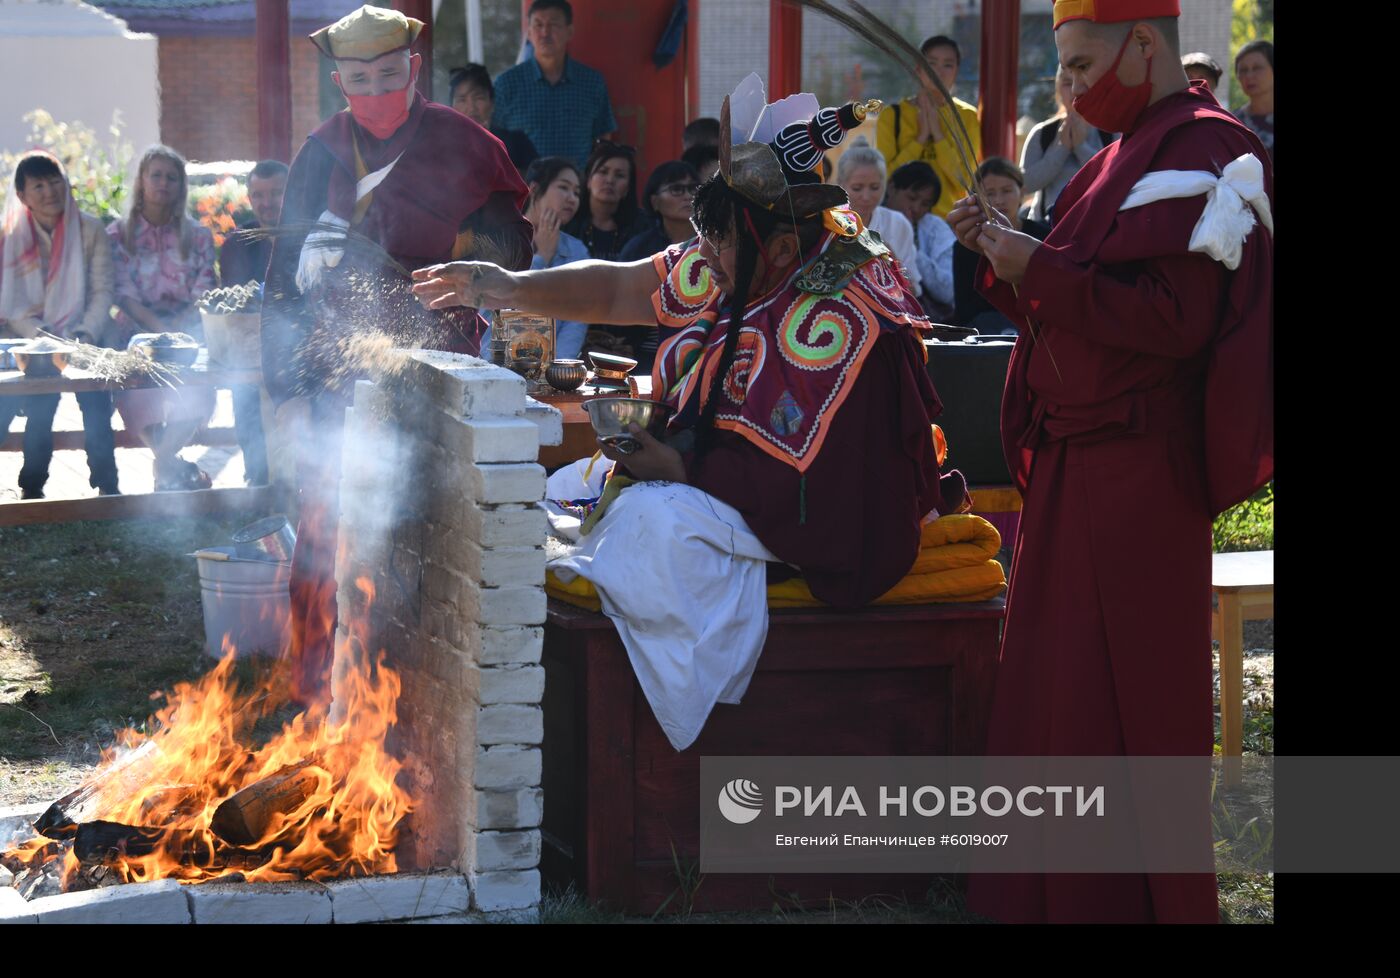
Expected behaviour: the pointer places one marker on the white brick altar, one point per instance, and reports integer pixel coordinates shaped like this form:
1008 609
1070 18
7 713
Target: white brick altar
440 498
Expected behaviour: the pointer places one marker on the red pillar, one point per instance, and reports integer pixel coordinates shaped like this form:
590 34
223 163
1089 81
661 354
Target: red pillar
784 50
422 10
692 61
274 65
1001 52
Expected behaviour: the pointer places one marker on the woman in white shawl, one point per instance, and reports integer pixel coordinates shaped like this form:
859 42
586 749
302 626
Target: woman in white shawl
55 280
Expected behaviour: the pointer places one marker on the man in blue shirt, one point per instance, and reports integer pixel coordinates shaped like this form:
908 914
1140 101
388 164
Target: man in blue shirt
560 104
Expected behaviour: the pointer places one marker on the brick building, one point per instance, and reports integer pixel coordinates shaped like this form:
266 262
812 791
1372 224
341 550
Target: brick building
208 71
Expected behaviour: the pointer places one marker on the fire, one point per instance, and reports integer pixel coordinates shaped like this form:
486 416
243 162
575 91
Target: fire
336 805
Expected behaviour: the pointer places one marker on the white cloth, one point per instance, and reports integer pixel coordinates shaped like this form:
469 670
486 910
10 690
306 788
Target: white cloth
319 251
935 259
55 294
1232 200
895 230
684 580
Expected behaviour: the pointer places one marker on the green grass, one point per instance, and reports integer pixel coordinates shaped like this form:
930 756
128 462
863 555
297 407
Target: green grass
1247 526
95 619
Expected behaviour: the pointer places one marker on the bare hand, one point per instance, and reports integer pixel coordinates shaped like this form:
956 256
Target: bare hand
930 128
654 462
474 284
1007 251
547 233
1074 130
967 220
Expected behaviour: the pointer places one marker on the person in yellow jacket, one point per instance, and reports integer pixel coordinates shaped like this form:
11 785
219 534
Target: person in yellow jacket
919 128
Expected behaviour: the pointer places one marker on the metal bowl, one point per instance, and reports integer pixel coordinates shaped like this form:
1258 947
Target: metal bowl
566 375
271 538
7 359
612 415
179 349
612 368
43 357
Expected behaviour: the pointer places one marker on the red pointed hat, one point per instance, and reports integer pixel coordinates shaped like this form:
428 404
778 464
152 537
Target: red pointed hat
1114 11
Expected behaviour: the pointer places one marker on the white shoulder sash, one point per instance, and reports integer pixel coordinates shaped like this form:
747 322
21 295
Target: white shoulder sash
1232 200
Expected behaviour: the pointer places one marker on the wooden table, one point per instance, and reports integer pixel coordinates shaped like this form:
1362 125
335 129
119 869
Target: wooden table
1244 589
579 440
74 380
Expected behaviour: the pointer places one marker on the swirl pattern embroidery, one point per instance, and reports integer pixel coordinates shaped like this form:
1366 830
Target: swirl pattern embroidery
816 332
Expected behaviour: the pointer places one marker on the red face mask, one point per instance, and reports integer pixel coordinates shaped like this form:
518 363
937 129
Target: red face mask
382 114
1109 104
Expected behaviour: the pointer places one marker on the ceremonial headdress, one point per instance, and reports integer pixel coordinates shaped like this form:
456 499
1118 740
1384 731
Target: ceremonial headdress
768 152
1114 11
366 34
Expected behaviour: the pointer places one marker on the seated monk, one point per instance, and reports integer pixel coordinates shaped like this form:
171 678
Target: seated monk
790 352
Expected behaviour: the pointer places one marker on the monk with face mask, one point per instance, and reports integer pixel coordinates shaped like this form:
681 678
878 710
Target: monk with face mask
425 185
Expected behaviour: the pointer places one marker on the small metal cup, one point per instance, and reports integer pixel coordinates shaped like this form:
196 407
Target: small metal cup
271 538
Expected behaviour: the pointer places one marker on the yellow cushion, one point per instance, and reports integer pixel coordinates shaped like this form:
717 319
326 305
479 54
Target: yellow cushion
955 563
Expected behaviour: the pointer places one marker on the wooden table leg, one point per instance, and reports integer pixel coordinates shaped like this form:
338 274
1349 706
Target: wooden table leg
1231 685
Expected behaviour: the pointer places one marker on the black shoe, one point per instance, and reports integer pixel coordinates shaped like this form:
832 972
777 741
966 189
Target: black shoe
109 491
31 494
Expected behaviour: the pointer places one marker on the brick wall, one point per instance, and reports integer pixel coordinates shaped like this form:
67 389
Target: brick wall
208 86
440 497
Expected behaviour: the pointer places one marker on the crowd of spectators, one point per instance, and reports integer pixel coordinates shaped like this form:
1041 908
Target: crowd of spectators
61 275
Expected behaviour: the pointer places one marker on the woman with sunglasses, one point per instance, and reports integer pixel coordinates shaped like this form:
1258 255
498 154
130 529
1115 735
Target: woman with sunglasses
607 215
668 202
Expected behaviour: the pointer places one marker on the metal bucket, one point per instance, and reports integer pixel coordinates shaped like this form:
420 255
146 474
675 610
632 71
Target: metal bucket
245 601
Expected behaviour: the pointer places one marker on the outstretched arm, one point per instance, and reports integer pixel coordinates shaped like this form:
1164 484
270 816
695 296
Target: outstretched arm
612 293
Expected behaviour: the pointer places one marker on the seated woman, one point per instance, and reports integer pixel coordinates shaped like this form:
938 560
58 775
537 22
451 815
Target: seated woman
800 439
913 189
861 173
668 203
608 218
164 262
553 201
56 279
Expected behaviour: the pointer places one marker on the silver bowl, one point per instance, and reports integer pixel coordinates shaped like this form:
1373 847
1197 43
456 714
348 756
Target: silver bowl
43 357
7 359
271 538
612 415
180 349
566 375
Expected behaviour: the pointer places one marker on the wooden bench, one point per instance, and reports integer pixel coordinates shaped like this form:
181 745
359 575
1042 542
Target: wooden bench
881 681
1243 584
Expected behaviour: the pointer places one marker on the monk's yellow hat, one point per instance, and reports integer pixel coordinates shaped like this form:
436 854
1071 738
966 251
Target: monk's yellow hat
366 34
1114 11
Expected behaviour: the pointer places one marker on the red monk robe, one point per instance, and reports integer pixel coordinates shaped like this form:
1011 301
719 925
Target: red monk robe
1140 408
453 190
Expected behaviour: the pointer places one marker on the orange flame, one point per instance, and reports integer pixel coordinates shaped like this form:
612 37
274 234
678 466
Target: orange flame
198 755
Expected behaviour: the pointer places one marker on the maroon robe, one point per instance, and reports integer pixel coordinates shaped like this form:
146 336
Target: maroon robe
451 177
1139 407
823 434
865 494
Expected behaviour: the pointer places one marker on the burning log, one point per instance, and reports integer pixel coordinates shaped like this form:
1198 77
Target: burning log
62 818
108 843
247 815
